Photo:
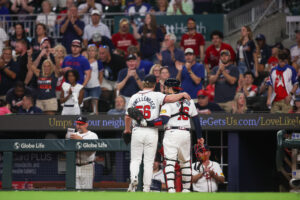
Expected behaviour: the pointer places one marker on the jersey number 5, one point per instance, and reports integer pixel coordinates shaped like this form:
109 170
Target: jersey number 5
184 117
145 110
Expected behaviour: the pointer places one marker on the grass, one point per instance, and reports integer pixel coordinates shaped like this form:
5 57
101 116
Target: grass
91 195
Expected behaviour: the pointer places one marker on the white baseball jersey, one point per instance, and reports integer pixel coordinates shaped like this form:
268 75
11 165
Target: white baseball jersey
83 157
206 183
179 120
148 102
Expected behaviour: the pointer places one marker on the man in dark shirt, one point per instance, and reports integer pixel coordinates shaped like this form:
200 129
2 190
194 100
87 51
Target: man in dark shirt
28 106
8 71
204 106
22 60
130 79
265 51
225 77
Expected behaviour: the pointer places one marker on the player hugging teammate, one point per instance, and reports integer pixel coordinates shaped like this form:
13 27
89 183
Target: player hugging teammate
175 115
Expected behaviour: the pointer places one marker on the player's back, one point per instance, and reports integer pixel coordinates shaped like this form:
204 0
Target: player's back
148 102
180 120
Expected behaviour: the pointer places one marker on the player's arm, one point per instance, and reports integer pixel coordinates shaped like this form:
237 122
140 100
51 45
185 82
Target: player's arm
127 124
198 130
176 97
161 120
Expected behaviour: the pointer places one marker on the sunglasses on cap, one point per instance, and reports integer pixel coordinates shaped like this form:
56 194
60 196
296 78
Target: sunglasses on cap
103 46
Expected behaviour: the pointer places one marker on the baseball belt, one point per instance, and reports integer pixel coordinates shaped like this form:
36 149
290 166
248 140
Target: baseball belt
82 164
178 127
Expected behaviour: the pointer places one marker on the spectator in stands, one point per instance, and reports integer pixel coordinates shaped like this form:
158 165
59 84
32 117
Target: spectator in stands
8 71
119 109
95 27
45 52
130 79
160 7
25 7
78 62
212 53
46 84
4 108
28 106
296 107
158 182
225 77
87 8
171 55
93 90
283 85
180 7
112 64
164 75
150 36
295 51
60 53
47 17
63 12
204 106
265 52
15 95
19 34
101 40
246 52
138 7
273 60
4 9
155 70
71 28
191 74
72 94
4 40
247 86
40 33
193 40
206 174
22 60
144 65
123 39
239 105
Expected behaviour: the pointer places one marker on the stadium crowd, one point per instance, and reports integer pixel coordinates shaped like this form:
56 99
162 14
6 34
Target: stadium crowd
90 67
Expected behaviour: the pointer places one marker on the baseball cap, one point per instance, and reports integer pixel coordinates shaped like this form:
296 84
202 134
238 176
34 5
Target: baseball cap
189 50
76 43
97 37
198 148
260 37
202 93
150 78
297 98
44 40
81 120
131 57
225 51
95 12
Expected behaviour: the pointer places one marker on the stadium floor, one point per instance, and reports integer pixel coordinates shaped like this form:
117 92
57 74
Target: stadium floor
90 195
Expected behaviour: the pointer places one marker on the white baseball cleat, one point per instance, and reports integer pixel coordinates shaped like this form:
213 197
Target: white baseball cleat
172 190
186 190
133 185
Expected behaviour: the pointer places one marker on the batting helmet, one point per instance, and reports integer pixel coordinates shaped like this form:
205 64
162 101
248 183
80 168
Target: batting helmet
173 83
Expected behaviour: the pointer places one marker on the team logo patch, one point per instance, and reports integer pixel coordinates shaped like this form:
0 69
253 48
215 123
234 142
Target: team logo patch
163 111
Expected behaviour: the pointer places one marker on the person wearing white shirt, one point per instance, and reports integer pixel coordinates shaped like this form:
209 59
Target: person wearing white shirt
84 159
295 51
47 17
88 7
96 26
3 39
206 174
158 182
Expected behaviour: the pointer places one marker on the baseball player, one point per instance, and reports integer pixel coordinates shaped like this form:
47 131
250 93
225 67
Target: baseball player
144 139
177 140
206 174
84 159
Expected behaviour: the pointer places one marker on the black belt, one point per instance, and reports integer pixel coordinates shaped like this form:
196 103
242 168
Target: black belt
68 105
79 165
178 127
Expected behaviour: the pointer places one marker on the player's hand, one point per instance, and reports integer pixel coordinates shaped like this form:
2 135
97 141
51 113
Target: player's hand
75 137
200 141
127 136
186 96
212 173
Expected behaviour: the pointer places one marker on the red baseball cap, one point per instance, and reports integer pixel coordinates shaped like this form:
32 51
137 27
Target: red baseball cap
202 93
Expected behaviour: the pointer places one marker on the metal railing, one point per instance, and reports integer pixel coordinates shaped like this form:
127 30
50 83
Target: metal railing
250 14
292 24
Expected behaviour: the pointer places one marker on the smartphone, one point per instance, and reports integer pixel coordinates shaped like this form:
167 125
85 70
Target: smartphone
70 131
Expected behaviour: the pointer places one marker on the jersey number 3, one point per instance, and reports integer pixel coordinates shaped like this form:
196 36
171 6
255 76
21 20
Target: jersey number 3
145 110
184 117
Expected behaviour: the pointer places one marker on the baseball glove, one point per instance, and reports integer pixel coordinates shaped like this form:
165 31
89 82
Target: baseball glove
137 115
126 138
